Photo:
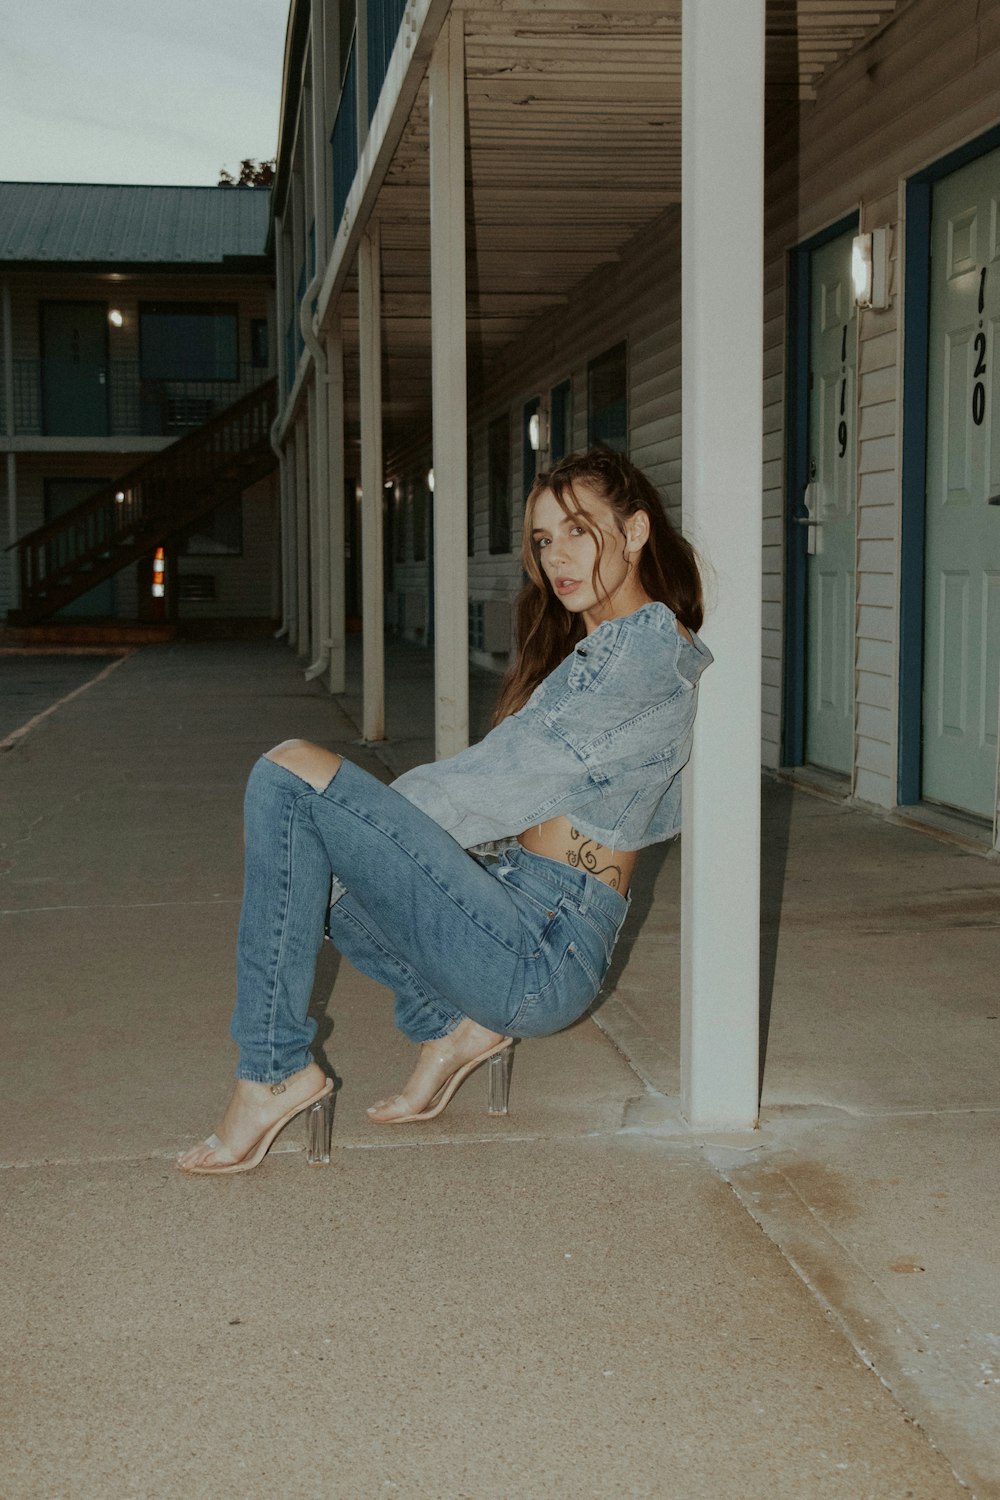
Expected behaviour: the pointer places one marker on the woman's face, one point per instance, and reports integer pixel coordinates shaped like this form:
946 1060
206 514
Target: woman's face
593 575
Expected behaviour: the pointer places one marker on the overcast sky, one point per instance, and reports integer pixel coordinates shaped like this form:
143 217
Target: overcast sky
147 91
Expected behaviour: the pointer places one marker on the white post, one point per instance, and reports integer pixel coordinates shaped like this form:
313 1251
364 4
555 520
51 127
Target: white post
303 639
722 320
448 381
372 587
319 524
289 471
8 388
316 153
338 504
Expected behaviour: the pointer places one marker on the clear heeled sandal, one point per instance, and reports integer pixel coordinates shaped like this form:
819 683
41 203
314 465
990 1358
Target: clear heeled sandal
318 1110
498 1081
499 1057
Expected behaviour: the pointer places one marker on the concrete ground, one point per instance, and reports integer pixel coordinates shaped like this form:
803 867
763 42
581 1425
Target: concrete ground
573 1301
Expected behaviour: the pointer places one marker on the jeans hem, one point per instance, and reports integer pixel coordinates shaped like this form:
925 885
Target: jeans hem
250 1075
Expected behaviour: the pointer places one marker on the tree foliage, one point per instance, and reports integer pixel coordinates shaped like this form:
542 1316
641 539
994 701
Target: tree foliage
252 174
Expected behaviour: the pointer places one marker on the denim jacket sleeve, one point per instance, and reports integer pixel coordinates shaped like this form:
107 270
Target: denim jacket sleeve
600 740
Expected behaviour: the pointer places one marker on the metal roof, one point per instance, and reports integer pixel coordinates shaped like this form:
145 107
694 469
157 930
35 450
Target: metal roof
93 222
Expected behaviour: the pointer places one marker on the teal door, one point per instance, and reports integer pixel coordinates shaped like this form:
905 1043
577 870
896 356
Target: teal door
962 543
60 496
830 503
75 369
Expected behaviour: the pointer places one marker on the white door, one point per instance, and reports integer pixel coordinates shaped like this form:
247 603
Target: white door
830 501
962 545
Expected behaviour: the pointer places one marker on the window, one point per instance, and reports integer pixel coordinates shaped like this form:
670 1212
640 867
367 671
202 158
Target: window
470 498
419 493
401 519
561 429
260 351
607 399
187 341
219 534
499 469
529 456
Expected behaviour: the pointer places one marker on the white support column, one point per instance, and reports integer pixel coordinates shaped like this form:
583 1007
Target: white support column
448 381
338 505
289 521
8 388
372 586
315 109
319 525
722 321
303 640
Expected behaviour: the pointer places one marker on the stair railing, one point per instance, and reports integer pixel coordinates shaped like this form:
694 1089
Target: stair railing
149 500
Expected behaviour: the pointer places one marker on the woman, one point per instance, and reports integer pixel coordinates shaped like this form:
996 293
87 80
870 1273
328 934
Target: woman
486 890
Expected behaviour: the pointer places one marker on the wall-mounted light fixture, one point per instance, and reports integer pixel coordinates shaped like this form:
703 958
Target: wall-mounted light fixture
430 480
115 317
870 269
538 430
120 496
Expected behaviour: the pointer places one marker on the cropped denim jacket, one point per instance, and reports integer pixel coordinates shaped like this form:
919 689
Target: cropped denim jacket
601 741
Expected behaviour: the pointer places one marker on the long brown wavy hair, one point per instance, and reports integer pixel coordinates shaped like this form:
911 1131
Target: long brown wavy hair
667 569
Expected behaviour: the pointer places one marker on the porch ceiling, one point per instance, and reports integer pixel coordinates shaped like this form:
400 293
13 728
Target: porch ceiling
573 120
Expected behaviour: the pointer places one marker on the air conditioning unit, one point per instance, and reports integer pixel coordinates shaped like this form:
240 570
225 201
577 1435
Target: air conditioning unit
497 626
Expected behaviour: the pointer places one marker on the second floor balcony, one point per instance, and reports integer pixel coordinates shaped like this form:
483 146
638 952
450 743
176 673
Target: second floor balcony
53 398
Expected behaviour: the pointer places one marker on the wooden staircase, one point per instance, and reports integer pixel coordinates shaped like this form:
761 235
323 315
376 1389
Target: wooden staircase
144 508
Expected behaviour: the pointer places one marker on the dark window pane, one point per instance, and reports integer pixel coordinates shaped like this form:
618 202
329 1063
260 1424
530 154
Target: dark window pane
499 460
470 499
607 399
529 456
219 534
259 346
187 342
420 493
560 440
399 530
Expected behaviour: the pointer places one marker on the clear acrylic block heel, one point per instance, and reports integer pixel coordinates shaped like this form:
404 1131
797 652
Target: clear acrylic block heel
498 1087
319 1124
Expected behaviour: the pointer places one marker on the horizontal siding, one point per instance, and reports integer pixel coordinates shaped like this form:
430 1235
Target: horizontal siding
927 82
29 291
246 587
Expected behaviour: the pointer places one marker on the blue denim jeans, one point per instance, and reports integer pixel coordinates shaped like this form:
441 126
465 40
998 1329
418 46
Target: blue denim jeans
521 944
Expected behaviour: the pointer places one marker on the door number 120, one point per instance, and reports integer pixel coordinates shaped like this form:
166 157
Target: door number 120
979 344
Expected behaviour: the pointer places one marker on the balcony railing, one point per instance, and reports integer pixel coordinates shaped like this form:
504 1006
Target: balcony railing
136 406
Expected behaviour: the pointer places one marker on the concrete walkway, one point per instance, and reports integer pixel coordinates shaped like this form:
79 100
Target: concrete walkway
570 1302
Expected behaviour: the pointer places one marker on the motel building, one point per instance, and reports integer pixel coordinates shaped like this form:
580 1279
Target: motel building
758 248
137 394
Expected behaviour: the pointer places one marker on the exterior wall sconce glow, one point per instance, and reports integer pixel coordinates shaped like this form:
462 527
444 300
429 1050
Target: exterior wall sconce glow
115 318
870 269
538 435
430 480
120 496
